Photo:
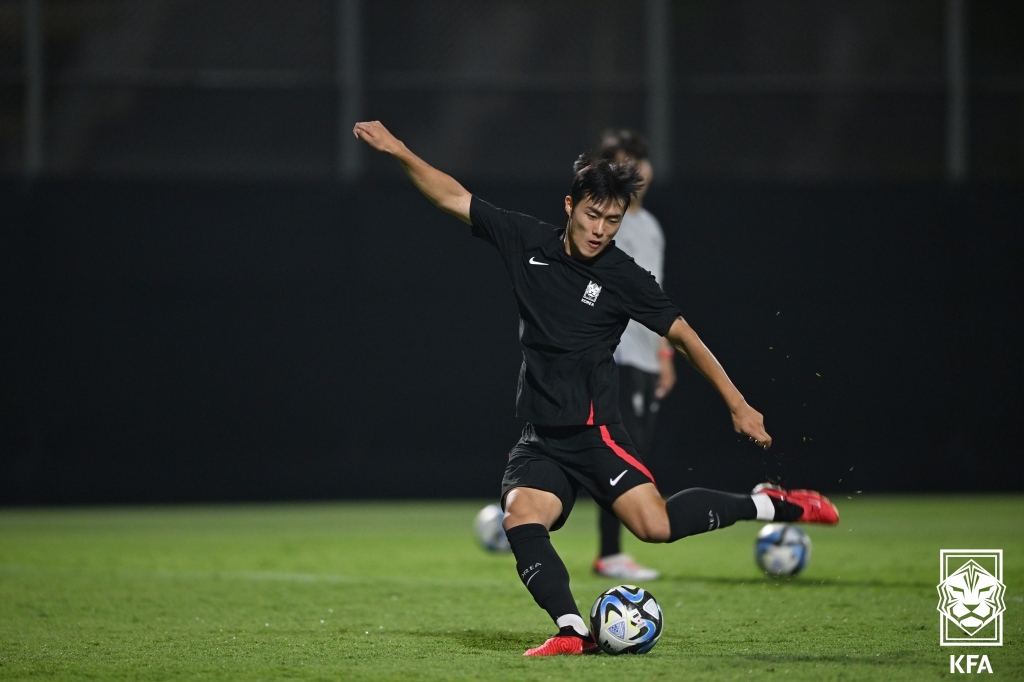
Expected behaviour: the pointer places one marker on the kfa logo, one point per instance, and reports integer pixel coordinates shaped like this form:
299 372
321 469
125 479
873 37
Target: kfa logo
972 660
971 598
591 294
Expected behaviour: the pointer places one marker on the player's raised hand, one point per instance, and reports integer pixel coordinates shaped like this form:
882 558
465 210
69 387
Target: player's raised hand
442 189
377 136
750 422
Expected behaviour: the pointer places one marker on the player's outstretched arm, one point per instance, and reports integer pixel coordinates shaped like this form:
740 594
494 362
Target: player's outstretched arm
745 419
441 188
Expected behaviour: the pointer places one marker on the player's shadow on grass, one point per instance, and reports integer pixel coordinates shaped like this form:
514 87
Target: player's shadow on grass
802 582
486 640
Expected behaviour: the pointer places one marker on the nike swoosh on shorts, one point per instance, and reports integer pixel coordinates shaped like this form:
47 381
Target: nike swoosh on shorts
618 478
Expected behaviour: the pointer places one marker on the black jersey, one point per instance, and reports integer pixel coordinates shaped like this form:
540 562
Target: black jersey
571 316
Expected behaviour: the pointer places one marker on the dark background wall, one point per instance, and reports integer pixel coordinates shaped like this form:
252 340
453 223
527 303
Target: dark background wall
209 290
279 341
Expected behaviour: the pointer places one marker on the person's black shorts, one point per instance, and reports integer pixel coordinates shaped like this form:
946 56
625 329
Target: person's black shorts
638 405
562 459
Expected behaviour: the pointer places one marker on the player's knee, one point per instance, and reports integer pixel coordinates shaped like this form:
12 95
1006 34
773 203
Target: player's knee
522 507
652 526
515 518
642 510
653 530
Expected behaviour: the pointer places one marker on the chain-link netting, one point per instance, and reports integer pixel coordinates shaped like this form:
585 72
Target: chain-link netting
756 89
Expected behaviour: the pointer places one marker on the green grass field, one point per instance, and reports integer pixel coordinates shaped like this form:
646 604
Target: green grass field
357 591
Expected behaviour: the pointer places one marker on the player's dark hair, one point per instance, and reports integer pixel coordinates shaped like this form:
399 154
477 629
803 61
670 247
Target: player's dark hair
629 142
602 180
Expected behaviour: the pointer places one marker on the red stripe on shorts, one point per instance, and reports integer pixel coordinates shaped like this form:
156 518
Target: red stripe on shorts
590 419
633 461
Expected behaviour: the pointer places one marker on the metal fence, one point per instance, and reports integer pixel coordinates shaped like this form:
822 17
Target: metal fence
736 89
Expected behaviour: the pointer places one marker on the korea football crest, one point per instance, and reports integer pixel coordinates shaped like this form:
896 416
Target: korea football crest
971 601
591 294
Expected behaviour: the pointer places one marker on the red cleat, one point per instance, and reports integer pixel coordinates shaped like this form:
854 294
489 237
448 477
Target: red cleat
817 508
563 644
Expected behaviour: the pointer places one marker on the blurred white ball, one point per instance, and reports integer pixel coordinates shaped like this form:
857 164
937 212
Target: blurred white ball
782 549
489 531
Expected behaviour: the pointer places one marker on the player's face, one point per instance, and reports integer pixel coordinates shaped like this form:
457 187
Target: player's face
592 226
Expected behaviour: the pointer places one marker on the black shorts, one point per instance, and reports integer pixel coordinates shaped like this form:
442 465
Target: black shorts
561 459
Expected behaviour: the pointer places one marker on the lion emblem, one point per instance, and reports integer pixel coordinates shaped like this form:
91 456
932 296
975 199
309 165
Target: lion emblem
971 597
592 292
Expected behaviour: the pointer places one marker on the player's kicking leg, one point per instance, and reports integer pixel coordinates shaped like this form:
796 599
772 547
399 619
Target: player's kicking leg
699 510
529 513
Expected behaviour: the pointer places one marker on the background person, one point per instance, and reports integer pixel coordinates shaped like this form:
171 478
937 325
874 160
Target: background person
646 371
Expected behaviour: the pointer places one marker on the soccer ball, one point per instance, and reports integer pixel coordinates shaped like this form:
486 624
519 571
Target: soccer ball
782 549
489 531
626 620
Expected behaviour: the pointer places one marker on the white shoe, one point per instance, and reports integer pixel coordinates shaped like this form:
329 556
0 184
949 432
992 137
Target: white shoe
624 567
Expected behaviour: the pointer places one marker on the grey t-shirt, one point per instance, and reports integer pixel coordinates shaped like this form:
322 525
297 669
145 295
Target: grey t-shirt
641 237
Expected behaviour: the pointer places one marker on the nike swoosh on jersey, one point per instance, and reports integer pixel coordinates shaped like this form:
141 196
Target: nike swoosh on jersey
618 478
535 262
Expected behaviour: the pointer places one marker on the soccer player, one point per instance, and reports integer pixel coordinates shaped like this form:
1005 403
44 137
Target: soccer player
576 291
646 371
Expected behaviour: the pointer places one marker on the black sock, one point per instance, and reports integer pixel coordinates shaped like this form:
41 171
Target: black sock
611 532
698 510
569 631
541 570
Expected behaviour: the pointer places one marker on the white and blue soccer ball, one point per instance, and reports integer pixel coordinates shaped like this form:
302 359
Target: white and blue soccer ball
489 530
782 549
626 620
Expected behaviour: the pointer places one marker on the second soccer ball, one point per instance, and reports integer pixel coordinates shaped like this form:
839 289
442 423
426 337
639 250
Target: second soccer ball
782 549
489 530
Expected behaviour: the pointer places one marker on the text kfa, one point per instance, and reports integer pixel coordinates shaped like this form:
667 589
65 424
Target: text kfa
972 661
